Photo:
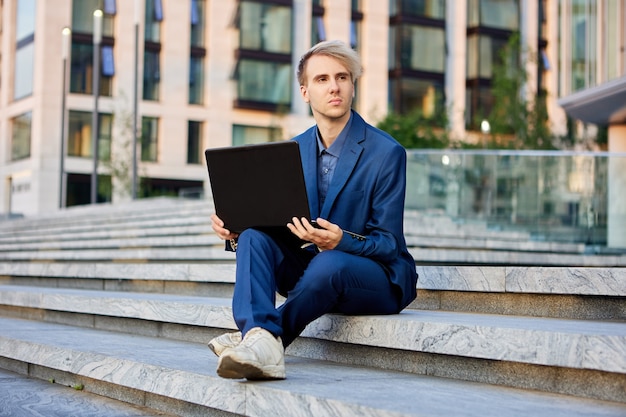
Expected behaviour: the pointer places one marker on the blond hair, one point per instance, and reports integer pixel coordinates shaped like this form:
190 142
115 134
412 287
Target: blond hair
335 49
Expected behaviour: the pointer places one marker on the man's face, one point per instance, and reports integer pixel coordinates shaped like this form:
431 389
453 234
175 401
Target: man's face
328 87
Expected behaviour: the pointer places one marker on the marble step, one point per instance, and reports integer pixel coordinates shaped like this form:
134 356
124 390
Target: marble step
174 237
421 255
110 214
167 224
558 292
529 351
182 374
25 396
488 279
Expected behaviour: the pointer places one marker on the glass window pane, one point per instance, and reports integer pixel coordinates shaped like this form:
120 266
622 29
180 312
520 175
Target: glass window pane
152 29
151 75
21 134
25 25
197 22
248 135
105 134
434 9
24 69
79 135
81 77
423 48
423 95
82 16
149 138
262 81
196 80
318 31
265 27
502 14
194 142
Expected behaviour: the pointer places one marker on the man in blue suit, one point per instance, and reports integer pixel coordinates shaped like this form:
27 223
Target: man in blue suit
357 261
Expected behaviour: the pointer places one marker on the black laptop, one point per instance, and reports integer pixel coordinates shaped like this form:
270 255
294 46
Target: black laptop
259 186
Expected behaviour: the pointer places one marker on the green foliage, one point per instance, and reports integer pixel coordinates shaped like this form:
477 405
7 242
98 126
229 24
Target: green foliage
415 130
512 113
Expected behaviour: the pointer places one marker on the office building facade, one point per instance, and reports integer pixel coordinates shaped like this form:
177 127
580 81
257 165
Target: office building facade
178 76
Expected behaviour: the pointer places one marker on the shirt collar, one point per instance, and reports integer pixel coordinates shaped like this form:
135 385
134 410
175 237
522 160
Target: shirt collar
337 146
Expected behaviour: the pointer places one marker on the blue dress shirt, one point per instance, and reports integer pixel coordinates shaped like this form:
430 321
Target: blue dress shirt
327 161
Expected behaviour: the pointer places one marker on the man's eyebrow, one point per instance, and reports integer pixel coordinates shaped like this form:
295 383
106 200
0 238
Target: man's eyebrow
339 74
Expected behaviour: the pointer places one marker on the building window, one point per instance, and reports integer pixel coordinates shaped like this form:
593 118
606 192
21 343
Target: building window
497 14
417 56
411 94
20 136
151 74
82 72
318 30
434 9
194 142
196 80
248 135
261 81
149 139
153 19
614 30
81 79
420 48
197 53
483 53
583 50
82 16
490 25
263 70
79 135
197 23
263 26
24 49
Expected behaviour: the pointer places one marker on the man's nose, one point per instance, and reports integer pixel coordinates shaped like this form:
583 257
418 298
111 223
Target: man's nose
334 85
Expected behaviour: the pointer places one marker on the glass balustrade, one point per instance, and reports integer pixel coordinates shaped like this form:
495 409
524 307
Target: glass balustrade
574 197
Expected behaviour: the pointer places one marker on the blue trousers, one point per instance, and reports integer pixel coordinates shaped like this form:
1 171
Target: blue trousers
313 283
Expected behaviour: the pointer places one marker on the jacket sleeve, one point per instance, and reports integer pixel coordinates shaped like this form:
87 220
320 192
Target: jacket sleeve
383 235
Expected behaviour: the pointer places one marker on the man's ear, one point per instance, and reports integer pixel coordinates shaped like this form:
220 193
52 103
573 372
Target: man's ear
304 92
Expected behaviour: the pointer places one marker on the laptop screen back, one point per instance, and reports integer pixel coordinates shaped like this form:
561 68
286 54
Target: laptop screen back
257 185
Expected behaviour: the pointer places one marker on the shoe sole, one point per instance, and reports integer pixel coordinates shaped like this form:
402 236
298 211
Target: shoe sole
216 349
231 369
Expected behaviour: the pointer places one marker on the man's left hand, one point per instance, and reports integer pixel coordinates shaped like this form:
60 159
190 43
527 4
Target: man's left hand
326 236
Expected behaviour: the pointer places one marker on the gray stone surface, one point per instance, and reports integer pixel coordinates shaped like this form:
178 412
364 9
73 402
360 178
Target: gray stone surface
186 371
579 344
22 396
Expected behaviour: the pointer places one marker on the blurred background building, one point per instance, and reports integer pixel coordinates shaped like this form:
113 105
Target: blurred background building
178 76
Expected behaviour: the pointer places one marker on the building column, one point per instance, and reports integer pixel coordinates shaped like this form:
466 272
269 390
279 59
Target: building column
616 222
302 15
373 87
456 16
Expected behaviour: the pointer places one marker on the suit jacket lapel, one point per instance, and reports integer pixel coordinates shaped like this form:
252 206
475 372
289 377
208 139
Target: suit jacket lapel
309 166
347 162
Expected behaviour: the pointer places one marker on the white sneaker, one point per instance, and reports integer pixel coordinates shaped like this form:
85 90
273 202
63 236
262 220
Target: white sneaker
260 355
227 340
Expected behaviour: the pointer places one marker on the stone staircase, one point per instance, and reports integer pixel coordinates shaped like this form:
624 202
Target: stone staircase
121 300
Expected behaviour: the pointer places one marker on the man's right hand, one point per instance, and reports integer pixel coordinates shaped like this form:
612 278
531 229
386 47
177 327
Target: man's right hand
220 231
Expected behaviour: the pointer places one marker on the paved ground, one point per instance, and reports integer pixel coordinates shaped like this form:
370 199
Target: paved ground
21 396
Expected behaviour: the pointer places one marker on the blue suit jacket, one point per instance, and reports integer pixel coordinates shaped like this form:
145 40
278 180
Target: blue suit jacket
366 196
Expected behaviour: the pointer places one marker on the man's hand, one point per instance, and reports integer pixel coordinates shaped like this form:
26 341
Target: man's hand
326 236
218 228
